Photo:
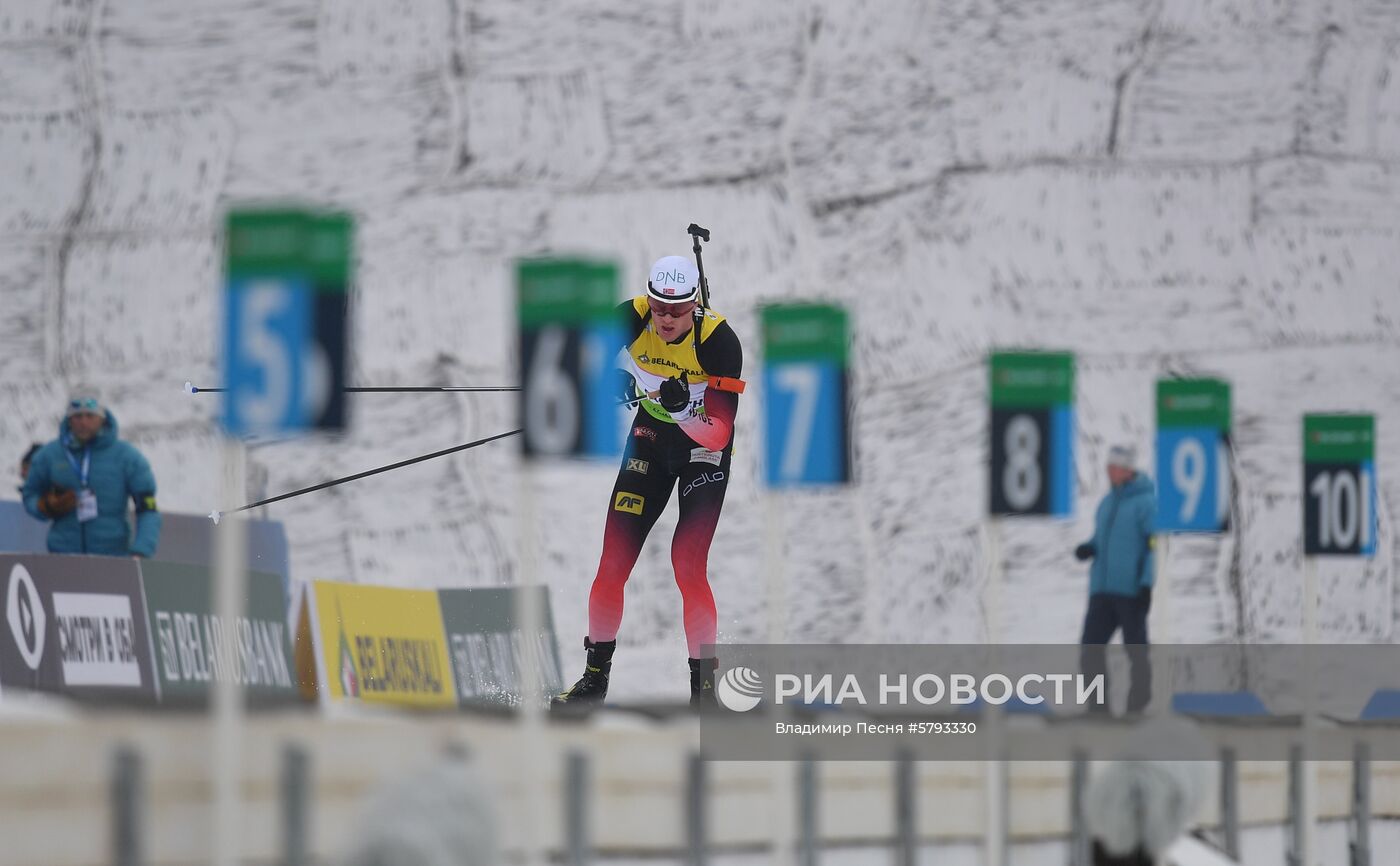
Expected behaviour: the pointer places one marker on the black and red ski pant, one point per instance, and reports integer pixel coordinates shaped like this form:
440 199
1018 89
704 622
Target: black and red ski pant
660 458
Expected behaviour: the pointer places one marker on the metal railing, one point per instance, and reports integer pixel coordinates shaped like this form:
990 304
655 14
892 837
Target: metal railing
129 813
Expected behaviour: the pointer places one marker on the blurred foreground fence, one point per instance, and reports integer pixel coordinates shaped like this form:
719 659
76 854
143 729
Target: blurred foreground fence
81 790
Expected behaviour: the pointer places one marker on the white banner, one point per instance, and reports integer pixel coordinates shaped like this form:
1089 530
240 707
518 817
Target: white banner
96 639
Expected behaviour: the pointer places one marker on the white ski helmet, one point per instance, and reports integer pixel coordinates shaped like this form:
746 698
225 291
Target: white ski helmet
674 280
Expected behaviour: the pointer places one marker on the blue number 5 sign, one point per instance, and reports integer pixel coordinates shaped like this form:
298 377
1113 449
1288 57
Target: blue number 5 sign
267 325
284 320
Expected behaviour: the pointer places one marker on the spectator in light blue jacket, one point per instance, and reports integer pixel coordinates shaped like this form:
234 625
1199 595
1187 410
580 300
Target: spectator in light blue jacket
1120 578
81 482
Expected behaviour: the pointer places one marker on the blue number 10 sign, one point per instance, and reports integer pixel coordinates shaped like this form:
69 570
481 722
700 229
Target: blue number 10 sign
1193 466
1339 485
804 384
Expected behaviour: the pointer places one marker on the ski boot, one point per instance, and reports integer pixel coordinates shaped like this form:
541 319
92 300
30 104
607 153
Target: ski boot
592 687
702 685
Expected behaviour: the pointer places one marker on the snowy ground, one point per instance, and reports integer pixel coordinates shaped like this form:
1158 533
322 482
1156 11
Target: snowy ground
1162 187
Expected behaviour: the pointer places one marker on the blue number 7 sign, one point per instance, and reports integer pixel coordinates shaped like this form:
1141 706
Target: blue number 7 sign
804 384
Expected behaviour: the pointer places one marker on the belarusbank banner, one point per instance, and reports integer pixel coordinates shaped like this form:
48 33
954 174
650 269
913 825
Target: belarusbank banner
381 645
194 649
418 647
119 630
487 647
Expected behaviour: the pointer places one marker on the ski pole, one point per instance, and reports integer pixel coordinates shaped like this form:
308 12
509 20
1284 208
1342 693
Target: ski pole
719 383
382 389
216 515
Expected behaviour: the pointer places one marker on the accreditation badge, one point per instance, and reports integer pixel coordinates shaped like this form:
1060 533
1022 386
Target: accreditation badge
87 505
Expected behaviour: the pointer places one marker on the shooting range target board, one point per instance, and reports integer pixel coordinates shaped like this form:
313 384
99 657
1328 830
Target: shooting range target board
569 336
287 273
1193 456
805 385
1339 485
1032 430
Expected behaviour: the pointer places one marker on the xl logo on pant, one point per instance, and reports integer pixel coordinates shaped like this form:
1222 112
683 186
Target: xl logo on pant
629 502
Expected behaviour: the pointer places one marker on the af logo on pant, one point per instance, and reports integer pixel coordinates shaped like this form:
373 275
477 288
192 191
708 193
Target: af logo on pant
629 502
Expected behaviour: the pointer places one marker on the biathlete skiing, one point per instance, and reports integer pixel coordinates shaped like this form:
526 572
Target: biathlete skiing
682 362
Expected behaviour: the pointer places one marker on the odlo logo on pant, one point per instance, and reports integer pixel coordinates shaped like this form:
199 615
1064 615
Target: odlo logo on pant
629 502
705 478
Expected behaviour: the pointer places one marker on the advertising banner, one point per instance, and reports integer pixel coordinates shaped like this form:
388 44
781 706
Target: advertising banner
486 646
193 649
381 645
75 625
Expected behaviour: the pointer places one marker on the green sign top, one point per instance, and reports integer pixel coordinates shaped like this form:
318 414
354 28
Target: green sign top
1032 379
1339 438
1193 403
565 291
290 242
264 241
330 251
804 332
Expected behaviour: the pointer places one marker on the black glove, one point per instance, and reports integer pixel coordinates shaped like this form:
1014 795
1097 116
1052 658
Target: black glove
1084 551
626 389
674 394
1145 597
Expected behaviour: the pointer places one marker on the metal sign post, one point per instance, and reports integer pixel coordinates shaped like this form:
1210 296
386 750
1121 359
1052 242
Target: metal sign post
287 276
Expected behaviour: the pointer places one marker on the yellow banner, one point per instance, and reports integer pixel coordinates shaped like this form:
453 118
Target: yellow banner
384 645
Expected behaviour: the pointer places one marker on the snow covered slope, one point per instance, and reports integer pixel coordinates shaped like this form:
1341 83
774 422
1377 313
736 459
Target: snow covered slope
1161 186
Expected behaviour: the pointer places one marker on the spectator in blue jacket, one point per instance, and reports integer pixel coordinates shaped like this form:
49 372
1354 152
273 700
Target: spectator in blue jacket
1120 579
81 482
